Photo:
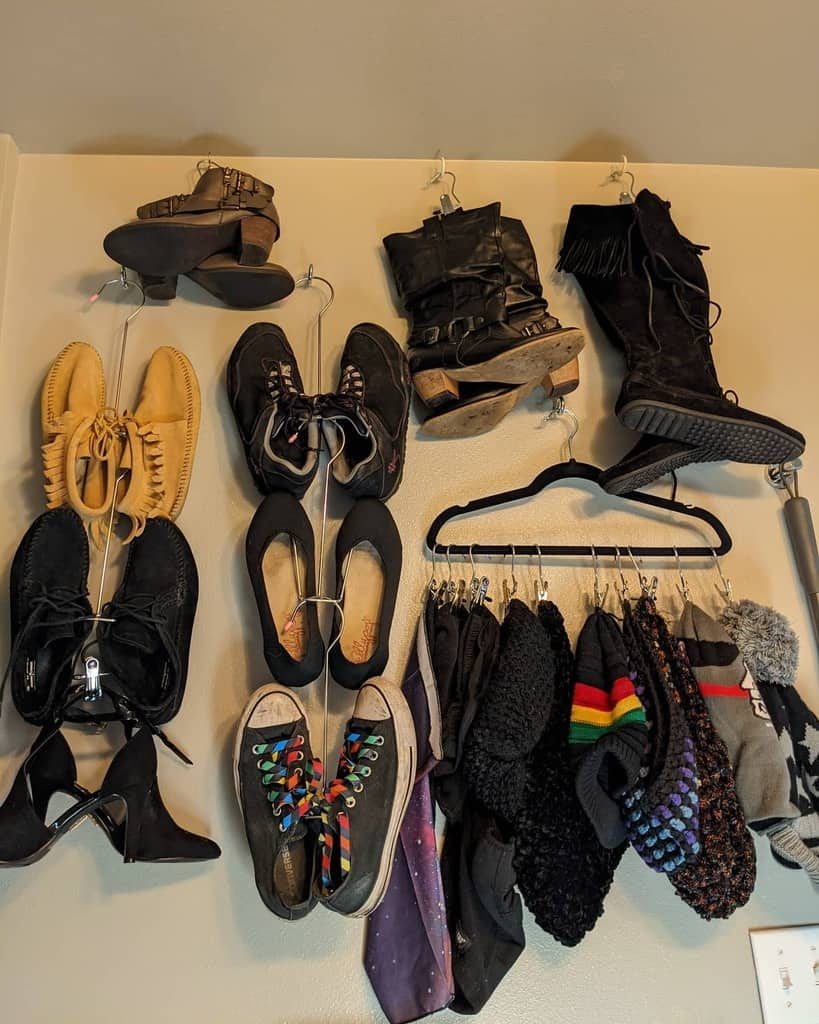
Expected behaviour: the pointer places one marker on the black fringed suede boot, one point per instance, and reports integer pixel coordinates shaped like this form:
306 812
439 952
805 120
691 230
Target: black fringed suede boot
647 286
470 284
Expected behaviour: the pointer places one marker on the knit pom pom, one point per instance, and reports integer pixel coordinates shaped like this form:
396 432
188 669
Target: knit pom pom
766 640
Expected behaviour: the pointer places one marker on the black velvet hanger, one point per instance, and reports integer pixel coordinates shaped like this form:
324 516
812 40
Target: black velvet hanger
574 470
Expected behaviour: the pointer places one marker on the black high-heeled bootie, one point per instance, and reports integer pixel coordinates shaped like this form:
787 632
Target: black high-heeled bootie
128 806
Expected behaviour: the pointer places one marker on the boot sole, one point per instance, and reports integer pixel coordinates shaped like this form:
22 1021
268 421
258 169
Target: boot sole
637 478
725 437
164 249
246 287
533 360
477 416
404 781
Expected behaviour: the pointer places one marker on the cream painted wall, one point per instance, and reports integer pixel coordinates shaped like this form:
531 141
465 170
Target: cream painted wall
8 178
167 943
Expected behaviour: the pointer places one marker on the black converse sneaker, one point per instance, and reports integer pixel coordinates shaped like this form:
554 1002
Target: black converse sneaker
273 414
369 412
365 804
277 781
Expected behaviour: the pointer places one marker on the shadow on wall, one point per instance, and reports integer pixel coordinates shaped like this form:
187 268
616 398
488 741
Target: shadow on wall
606 147
160 145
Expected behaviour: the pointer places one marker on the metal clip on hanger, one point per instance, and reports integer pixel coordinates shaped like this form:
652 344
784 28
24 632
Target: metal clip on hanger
541 584
446 199
726 591
682 587
92 671
599 597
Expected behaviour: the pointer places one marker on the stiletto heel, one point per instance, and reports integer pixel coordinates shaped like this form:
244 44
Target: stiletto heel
147 831
128 806
257 235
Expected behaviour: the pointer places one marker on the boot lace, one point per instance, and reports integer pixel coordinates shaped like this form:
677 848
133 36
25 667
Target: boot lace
49 609
359 747
294 409
702 327
292 783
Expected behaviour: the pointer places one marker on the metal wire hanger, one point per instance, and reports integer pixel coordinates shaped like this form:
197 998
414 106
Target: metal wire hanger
446 198
308 280
574 470
92 671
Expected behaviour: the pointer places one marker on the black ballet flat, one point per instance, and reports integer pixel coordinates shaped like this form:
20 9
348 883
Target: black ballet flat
368 568
280 531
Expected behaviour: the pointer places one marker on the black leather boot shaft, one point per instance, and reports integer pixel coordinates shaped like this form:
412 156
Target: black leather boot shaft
449 274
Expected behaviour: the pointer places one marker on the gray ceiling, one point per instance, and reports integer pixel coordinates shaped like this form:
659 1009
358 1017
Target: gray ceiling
696 82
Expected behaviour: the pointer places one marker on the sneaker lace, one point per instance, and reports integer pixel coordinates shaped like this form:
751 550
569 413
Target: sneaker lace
67 607
291 789
352 382
339 797
294 407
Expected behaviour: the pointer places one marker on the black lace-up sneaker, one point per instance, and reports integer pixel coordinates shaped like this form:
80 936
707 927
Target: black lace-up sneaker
49 613
274 416
367 416
277 780
366 802
147 644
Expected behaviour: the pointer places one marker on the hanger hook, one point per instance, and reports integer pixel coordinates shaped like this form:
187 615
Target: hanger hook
472 561
559 408
624 592
512 574
542 588
599 596
308 278
617 174
123 281
647 589
682 587
727 589
442 173
449 563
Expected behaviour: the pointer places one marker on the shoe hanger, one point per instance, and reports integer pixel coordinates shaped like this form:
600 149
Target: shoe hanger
92 672
308 280
446 198
574 470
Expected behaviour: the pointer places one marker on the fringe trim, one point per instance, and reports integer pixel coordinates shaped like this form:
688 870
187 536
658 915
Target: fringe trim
53 453
152 458
597 242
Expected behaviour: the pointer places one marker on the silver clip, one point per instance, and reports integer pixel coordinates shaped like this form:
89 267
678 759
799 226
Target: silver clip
483 588
726 591
93 687
682 587
599 598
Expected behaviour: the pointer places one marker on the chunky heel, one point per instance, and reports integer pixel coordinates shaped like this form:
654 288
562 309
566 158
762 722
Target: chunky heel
563 380
160 288
257 236
436 388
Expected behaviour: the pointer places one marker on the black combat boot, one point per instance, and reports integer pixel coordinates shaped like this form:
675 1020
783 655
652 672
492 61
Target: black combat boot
481 338
455 281
647 286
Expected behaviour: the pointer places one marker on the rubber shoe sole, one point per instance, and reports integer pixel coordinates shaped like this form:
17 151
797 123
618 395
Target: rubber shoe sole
404 781
738 440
